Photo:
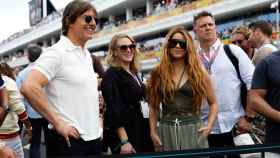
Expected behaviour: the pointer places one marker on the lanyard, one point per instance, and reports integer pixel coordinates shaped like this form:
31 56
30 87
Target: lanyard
208 63
135 77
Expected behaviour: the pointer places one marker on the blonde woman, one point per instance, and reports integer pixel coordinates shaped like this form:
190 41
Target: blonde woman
123 91
181 84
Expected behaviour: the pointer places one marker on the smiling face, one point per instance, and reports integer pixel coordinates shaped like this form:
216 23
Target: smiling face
83 28
239 39
178 46
125 50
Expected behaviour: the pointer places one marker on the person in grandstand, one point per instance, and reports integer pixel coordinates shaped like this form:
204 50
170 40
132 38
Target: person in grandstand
226 82
9 130
97 66
123 92
265 97
70 100
181 84
260 33
37 121
5 152
240 36
3 100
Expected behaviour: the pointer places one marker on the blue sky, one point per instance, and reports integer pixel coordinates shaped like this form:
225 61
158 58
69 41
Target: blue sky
14 15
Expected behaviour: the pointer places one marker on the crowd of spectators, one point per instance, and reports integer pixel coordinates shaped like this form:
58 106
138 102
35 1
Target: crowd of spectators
159 6
182 59
51 17
140 13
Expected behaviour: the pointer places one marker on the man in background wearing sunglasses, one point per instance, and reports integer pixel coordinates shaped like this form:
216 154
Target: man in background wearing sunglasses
225 79
260 33
70 101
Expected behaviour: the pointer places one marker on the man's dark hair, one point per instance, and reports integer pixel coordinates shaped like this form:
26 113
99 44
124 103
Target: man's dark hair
264 26
72 11
33 51
200 15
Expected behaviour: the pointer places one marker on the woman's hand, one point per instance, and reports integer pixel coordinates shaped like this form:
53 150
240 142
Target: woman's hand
205 131
28 133
127 149
156 141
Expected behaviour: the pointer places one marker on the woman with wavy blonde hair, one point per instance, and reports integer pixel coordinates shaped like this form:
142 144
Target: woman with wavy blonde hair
181 85
123 91
114 61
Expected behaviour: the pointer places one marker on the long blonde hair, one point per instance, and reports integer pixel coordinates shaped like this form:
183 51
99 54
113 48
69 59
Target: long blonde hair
161 86
113 60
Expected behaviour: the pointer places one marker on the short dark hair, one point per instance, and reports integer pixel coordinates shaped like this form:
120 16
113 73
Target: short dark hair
200 15
33 51
264 26
72 11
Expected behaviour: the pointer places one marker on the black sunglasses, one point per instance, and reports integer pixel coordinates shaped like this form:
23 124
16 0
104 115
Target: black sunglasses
173 43
125 47
89 18
237 42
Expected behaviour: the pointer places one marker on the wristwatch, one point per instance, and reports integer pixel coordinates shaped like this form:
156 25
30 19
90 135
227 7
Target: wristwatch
249 118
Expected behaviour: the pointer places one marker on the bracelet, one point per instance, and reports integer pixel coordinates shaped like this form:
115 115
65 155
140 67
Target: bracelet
122 142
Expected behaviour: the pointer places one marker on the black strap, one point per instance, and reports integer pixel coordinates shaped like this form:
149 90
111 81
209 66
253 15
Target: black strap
93 61
243 88
234 61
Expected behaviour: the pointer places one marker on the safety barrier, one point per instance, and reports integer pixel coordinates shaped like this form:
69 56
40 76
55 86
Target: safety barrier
198 153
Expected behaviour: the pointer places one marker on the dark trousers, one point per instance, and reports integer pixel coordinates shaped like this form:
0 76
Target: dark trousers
37 126
222 140
57 146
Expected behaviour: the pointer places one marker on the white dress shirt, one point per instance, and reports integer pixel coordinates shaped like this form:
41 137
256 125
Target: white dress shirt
227 86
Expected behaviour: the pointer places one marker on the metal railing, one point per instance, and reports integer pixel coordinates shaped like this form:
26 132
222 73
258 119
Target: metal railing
198 153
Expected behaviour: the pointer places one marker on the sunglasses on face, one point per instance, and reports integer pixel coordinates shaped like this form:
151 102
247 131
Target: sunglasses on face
89 18
237 42
174 42
125 47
